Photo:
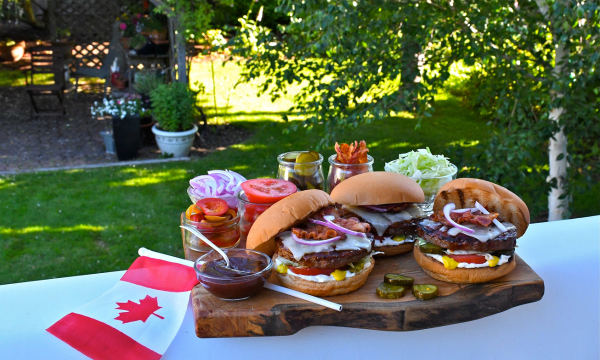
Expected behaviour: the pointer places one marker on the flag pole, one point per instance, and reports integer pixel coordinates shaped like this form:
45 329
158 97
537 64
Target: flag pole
280 289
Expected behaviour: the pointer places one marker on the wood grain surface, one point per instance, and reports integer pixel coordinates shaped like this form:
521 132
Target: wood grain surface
270 313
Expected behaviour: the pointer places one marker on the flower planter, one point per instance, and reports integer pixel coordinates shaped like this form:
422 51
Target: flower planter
109 142
178 144
127 136
148 137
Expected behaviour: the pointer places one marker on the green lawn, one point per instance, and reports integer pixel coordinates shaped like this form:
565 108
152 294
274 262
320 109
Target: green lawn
56 224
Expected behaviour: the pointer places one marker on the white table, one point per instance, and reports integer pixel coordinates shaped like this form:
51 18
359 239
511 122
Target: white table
563 325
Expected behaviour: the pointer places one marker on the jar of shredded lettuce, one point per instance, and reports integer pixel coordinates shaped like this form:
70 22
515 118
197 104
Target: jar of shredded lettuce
430 171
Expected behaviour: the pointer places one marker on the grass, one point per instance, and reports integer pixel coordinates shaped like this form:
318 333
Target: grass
65 223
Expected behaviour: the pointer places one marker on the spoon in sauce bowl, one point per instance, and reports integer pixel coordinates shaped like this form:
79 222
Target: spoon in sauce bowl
216 248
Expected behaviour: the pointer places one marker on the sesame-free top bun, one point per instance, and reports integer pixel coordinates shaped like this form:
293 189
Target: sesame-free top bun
495 198
282 215
377 188
436 270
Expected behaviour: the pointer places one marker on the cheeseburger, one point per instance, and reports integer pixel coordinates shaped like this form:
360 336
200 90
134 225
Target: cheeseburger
472 234
314 249
386 201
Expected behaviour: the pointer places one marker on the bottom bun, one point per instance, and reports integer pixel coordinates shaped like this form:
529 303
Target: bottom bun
391 250
327 288
436 270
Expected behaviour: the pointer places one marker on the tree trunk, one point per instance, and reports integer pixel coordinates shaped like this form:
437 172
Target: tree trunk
181 52
557 206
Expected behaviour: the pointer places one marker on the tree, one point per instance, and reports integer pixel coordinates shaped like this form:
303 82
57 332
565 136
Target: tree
191 18
364 60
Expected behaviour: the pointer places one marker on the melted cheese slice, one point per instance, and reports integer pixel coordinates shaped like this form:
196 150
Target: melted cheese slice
351 242
381 221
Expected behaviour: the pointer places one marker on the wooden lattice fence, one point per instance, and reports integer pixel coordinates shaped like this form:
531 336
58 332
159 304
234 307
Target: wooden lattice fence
91 25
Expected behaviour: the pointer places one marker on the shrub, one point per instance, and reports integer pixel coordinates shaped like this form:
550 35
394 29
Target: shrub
173 107
147 81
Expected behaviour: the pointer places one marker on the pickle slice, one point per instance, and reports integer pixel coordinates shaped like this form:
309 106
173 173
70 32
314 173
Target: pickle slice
425 291
305 170
388 291
314 154
429 248
291 156
398 280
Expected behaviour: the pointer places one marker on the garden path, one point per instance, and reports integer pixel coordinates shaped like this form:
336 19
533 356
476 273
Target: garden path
28 142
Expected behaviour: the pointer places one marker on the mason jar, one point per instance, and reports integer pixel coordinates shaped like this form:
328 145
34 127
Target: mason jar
248 213
339 172
225 235
305 176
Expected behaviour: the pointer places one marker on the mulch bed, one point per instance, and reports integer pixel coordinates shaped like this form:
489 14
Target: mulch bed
30 142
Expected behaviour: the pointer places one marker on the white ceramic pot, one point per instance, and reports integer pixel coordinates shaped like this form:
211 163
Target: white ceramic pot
176 143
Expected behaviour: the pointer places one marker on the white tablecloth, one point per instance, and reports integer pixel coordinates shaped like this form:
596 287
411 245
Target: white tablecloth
563 325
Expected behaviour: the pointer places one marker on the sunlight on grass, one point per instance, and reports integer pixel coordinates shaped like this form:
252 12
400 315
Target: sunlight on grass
234 97
37 229
249 147
401 145
239 168
465 143
4 184
152 178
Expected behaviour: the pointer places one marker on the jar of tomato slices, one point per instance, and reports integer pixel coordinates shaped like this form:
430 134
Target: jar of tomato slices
225 235
256 197
249 212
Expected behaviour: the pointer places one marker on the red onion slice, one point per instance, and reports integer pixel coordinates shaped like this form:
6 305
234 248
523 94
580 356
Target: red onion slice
496 222
460 211
335 226
449 207
370 207
217 183
314 243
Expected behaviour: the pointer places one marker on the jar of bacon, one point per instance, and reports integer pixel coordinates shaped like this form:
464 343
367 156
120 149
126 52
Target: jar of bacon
222 229
339 172
349 160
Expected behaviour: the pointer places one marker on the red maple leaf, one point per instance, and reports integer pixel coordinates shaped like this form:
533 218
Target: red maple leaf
141 311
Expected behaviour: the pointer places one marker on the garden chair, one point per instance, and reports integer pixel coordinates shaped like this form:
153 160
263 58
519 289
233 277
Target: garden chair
46 60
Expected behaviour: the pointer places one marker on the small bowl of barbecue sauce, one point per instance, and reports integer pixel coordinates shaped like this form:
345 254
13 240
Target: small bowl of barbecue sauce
227 284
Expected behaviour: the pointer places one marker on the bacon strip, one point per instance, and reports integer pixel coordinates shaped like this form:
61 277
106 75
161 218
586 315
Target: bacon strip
315 232
353 224
353 153
467 216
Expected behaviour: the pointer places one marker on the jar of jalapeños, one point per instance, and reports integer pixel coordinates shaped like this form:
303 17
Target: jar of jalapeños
303 168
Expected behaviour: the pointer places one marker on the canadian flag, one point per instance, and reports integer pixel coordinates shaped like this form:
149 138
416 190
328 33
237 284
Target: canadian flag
136 319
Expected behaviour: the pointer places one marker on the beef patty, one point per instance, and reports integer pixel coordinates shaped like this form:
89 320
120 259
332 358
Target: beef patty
322 260
505 241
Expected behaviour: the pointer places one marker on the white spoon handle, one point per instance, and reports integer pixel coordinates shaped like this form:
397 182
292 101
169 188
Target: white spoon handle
215 247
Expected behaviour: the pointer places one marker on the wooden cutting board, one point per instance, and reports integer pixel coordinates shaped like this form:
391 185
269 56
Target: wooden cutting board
270 313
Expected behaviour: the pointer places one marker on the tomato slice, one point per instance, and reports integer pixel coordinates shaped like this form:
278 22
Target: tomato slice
197 217
213 206
264 191
471 259
252 211
310 271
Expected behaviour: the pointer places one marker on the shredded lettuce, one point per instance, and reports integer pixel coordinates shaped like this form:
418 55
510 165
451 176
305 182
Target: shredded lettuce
430 171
